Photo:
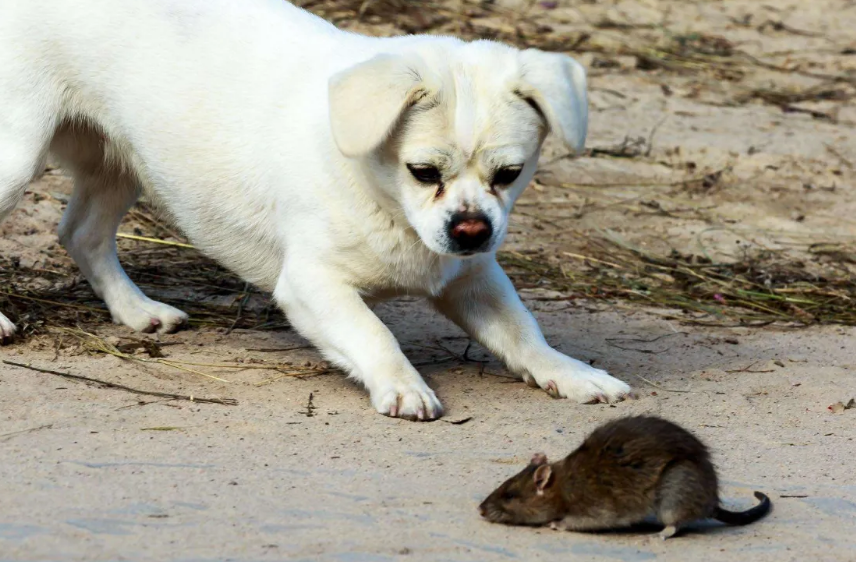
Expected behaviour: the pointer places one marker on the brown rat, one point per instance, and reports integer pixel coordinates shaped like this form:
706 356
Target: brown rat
626 470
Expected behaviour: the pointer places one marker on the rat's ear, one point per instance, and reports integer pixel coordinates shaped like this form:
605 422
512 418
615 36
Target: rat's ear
367 100
542 477
555 84
538 459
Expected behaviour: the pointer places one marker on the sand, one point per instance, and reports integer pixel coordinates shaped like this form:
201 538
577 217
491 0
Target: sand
89 473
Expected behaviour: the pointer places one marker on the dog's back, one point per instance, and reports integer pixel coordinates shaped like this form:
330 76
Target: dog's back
93 58
171 92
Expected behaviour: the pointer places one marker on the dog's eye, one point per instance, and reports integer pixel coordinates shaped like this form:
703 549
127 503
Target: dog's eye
425 173
506 176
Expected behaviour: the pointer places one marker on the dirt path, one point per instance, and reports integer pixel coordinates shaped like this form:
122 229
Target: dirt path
714 134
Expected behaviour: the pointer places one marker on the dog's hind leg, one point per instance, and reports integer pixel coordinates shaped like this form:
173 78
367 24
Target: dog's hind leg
102 195
22 151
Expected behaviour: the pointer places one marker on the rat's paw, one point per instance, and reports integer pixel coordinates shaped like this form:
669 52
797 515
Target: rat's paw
412 401
7 330
669 532
583 383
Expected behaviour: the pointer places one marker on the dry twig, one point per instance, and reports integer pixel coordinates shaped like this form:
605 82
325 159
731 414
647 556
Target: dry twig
106 384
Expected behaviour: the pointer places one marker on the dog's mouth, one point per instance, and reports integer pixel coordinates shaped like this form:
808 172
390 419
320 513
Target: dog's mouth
464 254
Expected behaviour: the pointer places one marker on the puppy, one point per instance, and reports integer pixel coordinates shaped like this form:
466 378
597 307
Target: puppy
329 168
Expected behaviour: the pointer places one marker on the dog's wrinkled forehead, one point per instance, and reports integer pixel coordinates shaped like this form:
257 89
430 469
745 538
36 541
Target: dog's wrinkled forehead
471 106
475 99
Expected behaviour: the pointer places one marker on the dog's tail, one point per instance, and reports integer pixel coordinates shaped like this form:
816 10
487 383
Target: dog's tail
745 517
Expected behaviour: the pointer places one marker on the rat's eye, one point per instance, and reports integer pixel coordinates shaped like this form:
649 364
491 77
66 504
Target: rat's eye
425 173
509 495
506 176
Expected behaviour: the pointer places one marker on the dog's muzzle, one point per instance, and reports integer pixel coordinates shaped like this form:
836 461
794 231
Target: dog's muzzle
469 232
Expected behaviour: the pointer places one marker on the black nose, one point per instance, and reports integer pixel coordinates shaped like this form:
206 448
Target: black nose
469 231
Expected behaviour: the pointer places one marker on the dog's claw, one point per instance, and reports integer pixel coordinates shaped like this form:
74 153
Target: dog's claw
530 381
414 404
148 316
583 384
599 399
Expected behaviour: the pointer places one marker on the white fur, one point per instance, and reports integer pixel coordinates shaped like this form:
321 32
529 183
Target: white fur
279 145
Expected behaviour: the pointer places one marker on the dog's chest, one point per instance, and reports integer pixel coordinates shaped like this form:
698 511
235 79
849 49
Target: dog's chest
394 262
420 277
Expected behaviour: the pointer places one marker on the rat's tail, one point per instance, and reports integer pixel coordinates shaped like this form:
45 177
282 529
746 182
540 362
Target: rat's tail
745 517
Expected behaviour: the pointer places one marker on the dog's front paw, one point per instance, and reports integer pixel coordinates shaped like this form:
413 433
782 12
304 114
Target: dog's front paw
412 401
581 383
7 330
149 316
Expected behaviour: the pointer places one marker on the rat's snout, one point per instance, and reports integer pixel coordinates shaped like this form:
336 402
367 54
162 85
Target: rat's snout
469 231
483 508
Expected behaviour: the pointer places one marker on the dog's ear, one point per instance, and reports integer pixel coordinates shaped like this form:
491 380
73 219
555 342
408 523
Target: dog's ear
367 100
555 85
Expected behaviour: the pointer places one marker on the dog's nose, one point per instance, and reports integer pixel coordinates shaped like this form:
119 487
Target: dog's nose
469 231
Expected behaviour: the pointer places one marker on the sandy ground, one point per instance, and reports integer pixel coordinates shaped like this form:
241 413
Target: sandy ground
89 473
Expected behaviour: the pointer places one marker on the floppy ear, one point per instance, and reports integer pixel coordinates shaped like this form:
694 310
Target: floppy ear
543 475
367 100
556 85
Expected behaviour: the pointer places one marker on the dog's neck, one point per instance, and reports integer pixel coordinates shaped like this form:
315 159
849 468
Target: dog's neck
386 256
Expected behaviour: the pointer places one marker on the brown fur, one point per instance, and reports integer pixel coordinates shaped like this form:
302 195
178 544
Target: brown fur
624 471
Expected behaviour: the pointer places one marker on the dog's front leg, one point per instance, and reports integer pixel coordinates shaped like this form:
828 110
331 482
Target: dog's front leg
484 303
333 315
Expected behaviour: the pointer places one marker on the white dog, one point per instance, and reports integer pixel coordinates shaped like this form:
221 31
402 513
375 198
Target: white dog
327 167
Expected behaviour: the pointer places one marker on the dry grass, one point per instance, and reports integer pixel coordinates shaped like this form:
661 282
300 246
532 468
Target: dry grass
762 288
37 299
655 46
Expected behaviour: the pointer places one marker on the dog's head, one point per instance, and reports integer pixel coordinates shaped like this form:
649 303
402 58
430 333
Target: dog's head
451 131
